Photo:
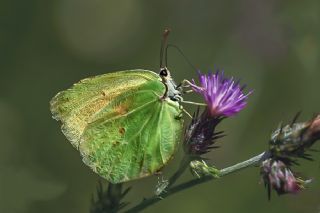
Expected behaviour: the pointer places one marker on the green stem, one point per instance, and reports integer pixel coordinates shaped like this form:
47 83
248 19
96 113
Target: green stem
172 190
244 164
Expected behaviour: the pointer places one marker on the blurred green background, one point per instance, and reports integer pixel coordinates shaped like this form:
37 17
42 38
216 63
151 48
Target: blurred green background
46 46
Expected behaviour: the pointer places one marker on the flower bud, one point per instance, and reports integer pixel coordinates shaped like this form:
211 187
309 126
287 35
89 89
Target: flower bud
293 140
277 175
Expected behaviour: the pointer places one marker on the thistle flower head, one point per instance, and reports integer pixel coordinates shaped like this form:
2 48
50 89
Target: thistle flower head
277 175
223 96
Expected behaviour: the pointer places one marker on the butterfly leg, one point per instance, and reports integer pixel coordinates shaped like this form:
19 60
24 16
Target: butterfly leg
186 84
185 111
193 103
182 110
188 91
179 116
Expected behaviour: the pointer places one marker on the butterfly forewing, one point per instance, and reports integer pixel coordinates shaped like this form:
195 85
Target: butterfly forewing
76 106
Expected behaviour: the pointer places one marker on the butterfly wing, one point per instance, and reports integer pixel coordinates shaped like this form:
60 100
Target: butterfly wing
75 106
135 143
122 133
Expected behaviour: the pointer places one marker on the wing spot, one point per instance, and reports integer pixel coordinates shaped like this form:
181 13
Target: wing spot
115 143
121 109
122 130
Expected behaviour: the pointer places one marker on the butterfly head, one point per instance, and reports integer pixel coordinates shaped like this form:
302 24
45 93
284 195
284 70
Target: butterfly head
172 91
165 73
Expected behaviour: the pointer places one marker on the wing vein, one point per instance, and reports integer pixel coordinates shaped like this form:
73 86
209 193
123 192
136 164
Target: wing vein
126 114
139 133
160 134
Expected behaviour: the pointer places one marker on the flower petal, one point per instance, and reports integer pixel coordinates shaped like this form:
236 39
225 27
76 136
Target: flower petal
223 95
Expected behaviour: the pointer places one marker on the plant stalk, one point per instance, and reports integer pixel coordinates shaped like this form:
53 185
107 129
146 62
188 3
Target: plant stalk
180 187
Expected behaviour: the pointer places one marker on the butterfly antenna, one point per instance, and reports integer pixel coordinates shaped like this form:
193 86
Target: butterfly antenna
164 42
181 52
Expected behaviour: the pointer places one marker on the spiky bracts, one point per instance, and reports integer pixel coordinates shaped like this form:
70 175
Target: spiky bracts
294 139
200 135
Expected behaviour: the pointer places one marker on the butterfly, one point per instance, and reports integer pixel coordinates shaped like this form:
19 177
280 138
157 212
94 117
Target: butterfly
126 124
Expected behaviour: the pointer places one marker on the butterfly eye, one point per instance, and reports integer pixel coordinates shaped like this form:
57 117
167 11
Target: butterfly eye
163 72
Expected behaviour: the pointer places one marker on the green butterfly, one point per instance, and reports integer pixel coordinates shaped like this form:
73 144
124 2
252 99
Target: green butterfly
126 124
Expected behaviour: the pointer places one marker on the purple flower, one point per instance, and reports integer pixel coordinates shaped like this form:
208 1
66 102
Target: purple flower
223 96
277 175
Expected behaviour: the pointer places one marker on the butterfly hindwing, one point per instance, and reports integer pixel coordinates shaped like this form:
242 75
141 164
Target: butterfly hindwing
137 140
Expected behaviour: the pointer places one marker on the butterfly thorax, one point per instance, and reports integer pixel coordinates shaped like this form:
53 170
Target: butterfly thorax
172 90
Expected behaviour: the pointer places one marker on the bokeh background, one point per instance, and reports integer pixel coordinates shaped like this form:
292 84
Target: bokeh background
46 46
